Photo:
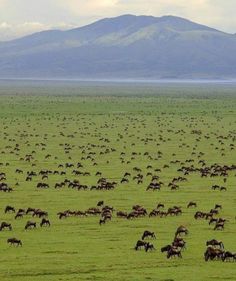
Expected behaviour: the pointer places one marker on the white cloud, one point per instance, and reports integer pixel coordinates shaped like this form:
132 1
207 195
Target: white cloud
81 6
5 25
9 31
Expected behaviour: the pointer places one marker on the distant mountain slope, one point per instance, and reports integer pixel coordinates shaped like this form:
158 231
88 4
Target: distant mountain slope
123 47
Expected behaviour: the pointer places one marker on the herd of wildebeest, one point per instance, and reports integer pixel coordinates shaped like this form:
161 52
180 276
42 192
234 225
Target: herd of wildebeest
215 249
72 173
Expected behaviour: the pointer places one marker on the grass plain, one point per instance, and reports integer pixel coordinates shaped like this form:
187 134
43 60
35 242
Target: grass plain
133 118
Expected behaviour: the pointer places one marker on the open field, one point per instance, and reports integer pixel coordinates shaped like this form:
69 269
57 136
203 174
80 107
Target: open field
112 129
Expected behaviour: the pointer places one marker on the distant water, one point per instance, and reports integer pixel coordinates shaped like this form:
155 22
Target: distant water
118 87
122 81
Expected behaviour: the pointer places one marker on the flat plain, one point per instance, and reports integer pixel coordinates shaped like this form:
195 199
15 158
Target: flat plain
113 129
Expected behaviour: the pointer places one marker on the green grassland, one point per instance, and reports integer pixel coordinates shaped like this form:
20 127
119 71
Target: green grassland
140 118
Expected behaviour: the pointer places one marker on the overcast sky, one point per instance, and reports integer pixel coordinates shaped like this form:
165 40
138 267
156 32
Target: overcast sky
20 17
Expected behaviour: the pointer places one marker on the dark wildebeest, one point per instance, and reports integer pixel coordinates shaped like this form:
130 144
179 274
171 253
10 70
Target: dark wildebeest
30 224
218 206
149 246
227 256
100 203
173 252
9 209
14 241
213 220
121 214
179 243
166 248
62 215
147 233
19 215
140 244
213 253
160 205
215 243
5 225
192 204
219 225
45 222
181 229
30 210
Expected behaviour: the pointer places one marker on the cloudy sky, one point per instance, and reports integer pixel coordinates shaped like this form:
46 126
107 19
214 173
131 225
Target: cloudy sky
21 17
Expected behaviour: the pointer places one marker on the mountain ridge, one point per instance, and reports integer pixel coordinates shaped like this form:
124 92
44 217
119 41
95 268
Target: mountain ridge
124 46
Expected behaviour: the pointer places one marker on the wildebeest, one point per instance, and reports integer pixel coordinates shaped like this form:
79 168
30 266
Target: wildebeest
45 222
100 203
149 246
30 225
174 252
147 234
19 214
121 214
181 230
219 225
228 256
9 209
215 243
166 248
39 213
14 241
213 253
140 244
192 204
179 243
5 225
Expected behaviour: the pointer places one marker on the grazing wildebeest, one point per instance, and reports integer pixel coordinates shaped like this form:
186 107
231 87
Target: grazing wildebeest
30 210
154 213
45 222
160 205
42 185
199 215
228 256
181 229
179 243
124 180
121 214
30 225
140 244
5 225
166 248
213 220
19 171
219 225
9 209
39 213
174 252
214 243
147 234
192 204
213 253
19 214
214 212
149 246
14 241
100 203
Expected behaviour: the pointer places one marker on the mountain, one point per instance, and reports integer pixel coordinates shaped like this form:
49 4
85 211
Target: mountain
123 47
